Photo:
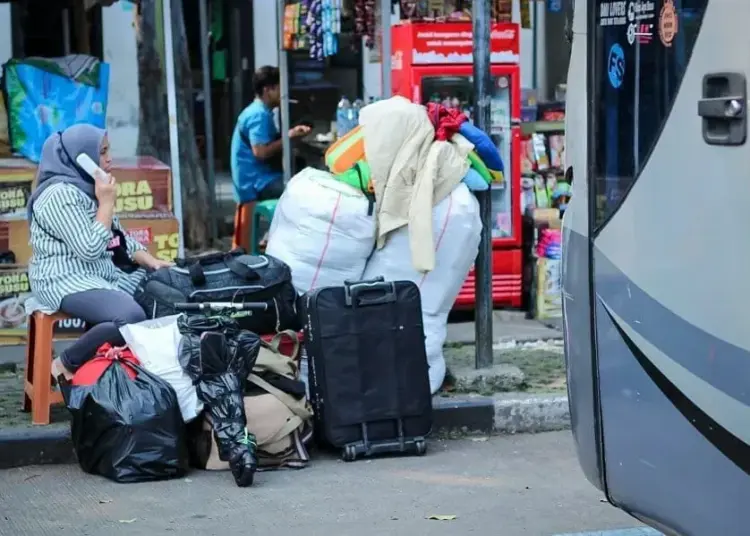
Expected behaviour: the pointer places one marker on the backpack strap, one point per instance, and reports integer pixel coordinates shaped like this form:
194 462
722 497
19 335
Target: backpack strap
299 407
194 266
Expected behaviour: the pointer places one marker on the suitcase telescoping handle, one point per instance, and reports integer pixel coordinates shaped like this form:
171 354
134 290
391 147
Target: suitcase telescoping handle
208 307
376 291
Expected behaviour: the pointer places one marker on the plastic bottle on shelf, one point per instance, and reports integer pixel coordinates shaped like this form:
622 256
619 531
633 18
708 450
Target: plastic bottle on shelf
356 107
342 114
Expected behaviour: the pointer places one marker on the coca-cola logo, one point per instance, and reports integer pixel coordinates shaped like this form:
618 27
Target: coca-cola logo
503 34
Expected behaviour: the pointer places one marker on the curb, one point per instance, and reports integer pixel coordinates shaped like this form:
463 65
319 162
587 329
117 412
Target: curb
458 342
530 414
35 446
465 414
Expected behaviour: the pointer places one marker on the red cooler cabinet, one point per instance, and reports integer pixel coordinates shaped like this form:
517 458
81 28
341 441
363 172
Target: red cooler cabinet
432 62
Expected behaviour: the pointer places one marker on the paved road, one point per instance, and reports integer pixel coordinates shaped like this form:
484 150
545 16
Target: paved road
510 486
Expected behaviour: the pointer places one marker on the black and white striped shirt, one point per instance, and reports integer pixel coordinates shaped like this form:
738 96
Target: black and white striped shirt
69 248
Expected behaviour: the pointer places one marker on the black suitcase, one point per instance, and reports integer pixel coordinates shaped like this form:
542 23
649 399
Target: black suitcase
368 373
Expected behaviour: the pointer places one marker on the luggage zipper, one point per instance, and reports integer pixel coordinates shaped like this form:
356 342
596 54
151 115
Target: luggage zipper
236 290
278 320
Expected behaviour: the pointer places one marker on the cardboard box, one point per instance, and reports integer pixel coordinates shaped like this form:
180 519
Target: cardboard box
144 187
14 291
548 288
16 179
14 236
160 236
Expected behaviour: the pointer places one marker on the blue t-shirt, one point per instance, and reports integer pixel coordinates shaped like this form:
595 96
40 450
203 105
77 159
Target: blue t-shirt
249 174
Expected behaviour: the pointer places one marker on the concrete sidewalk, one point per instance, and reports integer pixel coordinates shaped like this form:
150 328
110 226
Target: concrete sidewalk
514 486
506 326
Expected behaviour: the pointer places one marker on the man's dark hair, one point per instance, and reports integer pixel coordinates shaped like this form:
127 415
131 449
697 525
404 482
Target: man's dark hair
266 76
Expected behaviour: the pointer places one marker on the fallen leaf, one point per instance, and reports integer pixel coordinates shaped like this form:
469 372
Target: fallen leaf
439 517
127 520
187 480
105 501
479 439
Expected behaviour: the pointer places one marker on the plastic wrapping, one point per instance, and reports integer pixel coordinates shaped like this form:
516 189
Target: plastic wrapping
126 422
155 343
435 333
218 356
323 230
456 232
48 95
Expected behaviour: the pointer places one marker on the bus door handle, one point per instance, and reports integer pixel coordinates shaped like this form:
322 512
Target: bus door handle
723 108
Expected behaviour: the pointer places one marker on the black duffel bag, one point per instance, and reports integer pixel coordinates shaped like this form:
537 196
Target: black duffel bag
225 277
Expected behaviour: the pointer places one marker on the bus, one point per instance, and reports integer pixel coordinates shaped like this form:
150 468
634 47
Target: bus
654 282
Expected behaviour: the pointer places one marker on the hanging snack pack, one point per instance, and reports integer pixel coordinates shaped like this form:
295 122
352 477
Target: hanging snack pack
127 424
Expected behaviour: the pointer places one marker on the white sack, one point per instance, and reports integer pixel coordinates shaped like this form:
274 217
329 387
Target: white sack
155 343
435 332
321 230
456 228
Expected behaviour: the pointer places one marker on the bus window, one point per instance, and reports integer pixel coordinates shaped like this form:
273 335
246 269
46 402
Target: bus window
645 46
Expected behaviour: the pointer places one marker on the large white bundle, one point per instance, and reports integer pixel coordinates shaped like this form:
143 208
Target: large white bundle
456 229
435 333
321 229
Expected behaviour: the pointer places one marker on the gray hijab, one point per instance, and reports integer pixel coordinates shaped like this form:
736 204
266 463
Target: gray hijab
57 165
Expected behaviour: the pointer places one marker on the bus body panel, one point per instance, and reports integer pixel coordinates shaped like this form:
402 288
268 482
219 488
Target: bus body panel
575 277
666 224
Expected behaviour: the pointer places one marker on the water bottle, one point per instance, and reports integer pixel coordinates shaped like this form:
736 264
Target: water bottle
342 112
356 107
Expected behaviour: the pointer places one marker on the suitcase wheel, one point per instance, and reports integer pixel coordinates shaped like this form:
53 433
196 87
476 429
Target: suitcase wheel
420 446
349 454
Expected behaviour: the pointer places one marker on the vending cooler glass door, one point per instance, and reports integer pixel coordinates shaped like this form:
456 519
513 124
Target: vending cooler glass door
458 92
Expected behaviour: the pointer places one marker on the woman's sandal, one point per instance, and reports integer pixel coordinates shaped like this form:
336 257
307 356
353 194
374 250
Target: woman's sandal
59 378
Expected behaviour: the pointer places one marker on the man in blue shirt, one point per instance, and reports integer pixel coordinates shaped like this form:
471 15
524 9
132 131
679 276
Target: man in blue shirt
256 151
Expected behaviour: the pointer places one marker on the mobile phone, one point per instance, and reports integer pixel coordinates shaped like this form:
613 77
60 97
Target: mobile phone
89 166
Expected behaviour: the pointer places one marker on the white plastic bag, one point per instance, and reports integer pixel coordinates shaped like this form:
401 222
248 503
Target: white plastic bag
435 333
322 230
155 343
456 228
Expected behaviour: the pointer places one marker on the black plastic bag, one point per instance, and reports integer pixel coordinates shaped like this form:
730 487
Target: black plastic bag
127 429
224 398
242 347
219 357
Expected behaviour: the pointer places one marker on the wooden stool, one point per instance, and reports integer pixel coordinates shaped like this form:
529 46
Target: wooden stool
38 395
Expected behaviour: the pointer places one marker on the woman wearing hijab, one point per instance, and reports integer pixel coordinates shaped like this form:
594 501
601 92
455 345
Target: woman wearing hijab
82 262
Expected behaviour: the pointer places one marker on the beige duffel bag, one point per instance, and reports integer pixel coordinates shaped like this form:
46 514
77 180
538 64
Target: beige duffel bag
280 422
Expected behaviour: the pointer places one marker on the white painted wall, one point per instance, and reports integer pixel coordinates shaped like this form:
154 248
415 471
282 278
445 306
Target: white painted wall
121 52
265 33
6 40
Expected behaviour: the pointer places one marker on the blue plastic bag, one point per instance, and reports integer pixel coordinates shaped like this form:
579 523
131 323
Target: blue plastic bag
474 181
48 95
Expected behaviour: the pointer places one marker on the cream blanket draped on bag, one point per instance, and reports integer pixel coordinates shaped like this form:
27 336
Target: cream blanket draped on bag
411 171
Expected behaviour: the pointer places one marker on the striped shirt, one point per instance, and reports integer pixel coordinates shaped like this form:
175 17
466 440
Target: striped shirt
69 248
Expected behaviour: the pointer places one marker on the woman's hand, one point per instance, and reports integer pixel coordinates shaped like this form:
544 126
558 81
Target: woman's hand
148 261
158 263
105 189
